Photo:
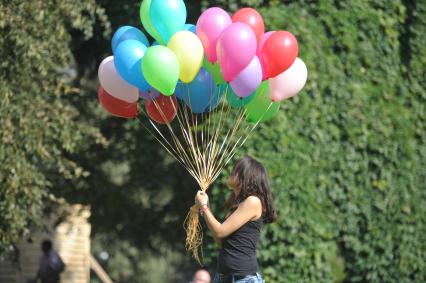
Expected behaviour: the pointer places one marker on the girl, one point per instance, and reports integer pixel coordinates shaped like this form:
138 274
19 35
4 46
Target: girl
247 209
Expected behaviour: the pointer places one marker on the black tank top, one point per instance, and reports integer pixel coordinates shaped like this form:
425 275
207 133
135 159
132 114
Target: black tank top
237 255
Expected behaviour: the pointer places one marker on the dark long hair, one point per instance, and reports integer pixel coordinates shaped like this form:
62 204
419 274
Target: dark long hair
250 178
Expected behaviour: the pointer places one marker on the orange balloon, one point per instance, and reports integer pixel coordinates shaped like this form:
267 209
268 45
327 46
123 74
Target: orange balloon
251 18
117 107
162 109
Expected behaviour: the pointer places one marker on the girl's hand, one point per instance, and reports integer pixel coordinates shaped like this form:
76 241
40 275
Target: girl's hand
201 199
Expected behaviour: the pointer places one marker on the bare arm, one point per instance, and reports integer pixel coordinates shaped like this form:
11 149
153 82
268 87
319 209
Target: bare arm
216 239
249 209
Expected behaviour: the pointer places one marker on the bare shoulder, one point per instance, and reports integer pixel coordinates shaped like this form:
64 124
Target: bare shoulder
253 204
252 201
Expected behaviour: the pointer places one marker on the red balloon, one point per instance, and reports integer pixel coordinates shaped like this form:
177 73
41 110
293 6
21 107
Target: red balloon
252 18
162 109
278 53
116 106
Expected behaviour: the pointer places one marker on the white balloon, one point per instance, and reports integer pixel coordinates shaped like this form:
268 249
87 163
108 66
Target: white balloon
290 82
113 84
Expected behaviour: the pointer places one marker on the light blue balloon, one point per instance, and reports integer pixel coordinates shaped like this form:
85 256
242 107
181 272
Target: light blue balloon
168 17
126 33
128 62
197 94
191 28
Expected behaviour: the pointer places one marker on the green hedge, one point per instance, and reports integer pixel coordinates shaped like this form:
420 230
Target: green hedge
347 157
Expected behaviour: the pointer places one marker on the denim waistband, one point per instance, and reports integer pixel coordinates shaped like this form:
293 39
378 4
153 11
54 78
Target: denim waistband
231 277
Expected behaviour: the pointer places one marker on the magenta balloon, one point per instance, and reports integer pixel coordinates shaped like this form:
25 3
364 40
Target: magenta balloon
249 79
235 48
209 27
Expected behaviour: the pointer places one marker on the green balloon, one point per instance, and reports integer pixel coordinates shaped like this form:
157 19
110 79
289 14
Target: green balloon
261 108
160 68
146 21
214 70
235 101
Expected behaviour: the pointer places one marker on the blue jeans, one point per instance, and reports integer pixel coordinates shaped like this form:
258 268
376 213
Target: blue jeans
248 279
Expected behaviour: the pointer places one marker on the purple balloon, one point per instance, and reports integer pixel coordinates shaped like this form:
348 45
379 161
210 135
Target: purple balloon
149 95
235 48
249 79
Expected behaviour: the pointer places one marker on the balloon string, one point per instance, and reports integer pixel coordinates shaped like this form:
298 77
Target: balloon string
194 234
166 145
189 121
179 155
186 137
217 129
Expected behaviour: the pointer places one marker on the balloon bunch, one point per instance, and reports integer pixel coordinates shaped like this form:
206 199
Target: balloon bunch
196 63
196 75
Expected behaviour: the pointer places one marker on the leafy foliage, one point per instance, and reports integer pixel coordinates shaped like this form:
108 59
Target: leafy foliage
39 126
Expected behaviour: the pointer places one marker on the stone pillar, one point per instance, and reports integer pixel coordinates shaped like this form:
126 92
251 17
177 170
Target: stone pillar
73 242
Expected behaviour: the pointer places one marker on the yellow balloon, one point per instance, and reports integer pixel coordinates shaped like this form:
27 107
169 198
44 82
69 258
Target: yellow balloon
189 52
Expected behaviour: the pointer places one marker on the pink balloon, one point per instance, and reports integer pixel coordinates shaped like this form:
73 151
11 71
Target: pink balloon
209 27
260 44
235 48
290 82
113 84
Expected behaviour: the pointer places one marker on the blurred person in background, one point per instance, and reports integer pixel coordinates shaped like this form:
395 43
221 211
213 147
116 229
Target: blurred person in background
51 264
201 276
